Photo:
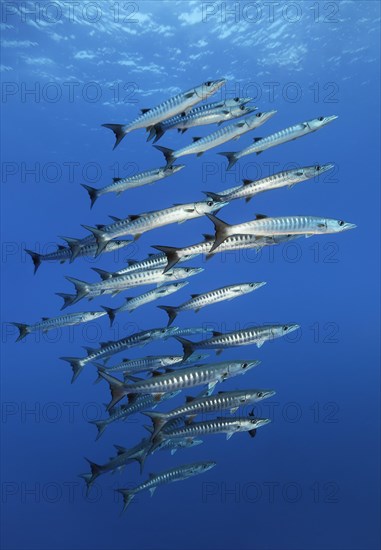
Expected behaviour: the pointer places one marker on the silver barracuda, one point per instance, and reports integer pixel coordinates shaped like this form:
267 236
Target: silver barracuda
132 303
180 103
244 337
227 133
283 136
179 473
219 425
287 178
63 253
287 225
51 323
137 225
141 403
236 242
149 363
199 301
107 349
129 280
211 113
222 401
119 185
180 379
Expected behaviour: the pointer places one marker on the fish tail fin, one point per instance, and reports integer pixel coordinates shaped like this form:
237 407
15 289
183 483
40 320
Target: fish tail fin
111 312
100 237
36 258
159 132
76 365
100 368
81 288
88 480
23 330
168 154
232 159
101 426
128 495
221 231
119 131
158 421
93 193
188 346
214 196
172 254
67 298
116 388
171 311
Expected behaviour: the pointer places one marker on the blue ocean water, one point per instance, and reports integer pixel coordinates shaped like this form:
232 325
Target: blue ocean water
310 479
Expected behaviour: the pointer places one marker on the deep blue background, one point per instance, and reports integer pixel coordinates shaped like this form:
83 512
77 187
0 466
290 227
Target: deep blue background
323 462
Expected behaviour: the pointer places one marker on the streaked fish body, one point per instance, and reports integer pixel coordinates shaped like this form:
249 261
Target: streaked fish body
120 185
179 473
212 113
180 103
148 221
244 337
114 285
132 303
199 301
283 136
287 225
220 136
222 401
51 323
107 349
179 379
63 253
287 178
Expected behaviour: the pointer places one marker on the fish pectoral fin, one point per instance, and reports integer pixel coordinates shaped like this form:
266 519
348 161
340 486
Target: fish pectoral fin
211 386
219 351
158 396
199 154
152 490
260 343
173 451
229 435
233 410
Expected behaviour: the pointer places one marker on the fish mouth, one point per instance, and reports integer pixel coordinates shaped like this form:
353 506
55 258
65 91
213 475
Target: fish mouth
244 100
331 118
348 226
292 328
325 167
262 422
176 168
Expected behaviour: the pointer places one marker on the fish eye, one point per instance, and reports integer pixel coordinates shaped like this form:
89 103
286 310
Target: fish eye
209 83
242 107
251 285
317 167
321 118
260 394
253 421
285 328
258 114
236 99
341 222
245 365
210 203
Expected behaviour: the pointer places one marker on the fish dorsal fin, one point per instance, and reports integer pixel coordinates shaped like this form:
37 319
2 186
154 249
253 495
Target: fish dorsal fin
189 398
134 216
208 237
132 262
217 333
151 475
226 112
115 218
144 111
151 254
61 247
195 295
120 450
116 179
240 124
221 392
260 216
256 139
194 139
44 318
189 95
132 397
247 182
156 373
100 226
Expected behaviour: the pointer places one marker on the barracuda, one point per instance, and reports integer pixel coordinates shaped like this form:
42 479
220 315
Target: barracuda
230 400
130 280
212 113
51 323
283 136
141 403
107 349
120 185
227 133
180 103
132 303
287 225
245 337
63 254
287 178
137 225
235 242
189 377
199 301
175 474
148 364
